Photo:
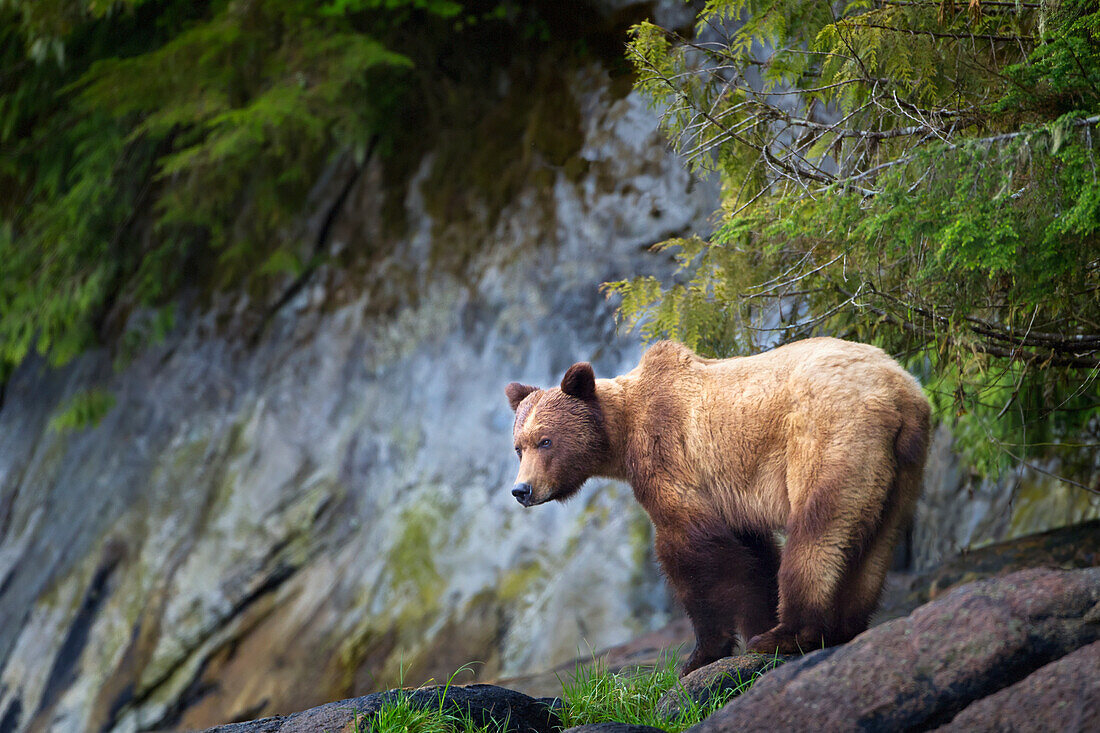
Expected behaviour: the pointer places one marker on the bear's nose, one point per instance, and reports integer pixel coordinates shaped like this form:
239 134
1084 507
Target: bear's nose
522 492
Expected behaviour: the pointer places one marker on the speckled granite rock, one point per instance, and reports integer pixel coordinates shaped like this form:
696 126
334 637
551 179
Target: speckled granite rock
919 672
1062 696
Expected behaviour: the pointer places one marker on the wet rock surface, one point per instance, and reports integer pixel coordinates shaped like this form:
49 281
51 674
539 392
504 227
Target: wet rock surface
919 672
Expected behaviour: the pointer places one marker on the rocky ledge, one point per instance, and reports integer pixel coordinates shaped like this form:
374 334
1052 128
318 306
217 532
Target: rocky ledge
984 648
1020 652
487 704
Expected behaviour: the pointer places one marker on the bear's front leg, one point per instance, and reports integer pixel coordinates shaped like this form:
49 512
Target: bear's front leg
711 643
726 582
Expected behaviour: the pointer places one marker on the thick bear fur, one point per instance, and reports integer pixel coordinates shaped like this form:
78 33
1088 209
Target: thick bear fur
823 438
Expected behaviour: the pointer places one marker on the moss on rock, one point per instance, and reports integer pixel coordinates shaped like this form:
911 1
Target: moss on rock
1040 504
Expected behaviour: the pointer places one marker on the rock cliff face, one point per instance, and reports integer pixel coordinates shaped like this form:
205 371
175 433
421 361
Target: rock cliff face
960 511
260 525
285 510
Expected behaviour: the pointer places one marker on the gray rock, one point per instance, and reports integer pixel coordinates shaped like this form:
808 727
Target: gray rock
918 672
487 705
1063 696
960 510
731 673
1068 548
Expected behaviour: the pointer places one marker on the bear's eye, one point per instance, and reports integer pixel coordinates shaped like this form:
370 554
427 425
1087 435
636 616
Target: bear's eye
519 451
544 443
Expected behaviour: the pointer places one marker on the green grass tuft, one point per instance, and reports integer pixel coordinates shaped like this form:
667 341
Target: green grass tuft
591 694
595 695
404 716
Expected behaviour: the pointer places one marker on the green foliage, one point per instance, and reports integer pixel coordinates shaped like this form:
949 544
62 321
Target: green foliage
404 715
594 695
591 695
151 145
255 132
215 116
442 8
83 410
908 174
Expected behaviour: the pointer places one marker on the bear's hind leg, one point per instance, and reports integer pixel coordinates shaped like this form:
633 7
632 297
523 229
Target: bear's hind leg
759 595
859 592
862 587
809 578
826 535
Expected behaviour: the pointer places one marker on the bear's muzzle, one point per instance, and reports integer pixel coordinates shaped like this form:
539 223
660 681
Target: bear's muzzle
522 492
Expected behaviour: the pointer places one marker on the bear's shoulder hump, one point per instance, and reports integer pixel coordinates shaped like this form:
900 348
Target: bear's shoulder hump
668 353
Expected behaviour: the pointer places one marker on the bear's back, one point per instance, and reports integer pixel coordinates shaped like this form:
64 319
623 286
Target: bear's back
819 389
821 366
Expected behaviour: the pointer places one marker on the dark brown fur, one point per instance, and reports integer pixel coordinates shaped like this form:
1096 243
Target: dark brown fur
824 439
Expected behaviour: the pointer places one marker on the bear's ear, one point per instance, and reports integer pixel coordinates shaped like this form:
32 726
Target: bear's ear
580 381
516 392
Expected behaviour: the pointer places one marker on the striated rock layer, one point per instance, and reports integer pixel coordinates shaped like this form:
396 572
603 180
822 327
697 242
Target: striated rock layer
278 514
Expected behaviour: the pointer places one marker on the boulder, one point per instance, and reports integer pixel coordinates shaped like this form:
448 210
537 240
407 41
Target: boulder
919 672
1062 696
487 704
1069 548
731 673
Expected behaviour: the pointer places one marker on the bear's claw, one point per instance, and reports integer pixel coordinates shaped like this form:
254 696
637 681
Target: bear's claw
781 641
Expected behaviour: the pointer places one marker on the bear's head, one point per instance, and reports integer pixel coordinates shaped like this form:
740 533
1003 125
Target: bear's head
559 436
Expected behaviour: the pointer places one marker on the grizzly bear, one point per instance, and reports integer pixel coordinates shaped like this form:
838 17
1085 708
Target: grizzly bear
822 438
